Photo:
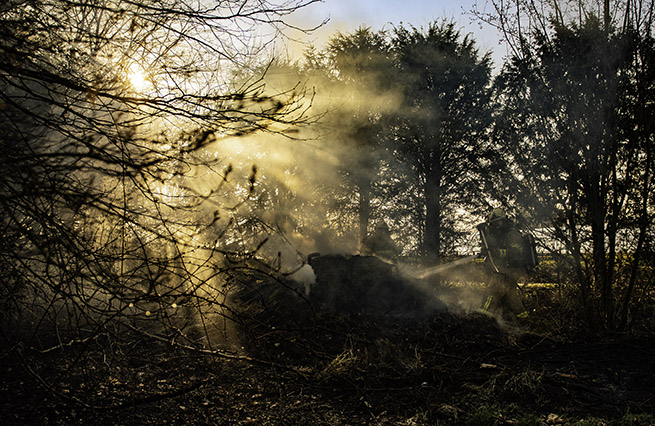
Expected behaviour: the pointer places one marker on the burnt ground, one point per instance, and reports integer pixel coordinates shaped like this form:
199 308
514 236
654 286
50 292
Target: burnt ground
336 368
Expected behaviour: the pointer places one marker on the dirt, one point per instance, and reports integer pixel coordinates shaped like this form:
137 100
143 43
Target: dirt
302 365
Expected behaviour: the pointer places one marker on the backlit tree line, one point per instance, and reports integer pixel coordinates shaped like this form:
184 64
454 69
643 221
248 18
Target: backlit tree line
118 204
562 137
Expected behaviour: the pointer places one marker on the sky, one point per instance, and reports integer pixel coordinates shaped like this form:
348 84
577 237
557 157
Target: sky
347 15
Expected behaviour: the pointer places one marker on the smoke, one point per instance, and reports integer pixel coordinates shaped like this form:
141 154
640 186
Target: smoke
305 276
285 196
301 187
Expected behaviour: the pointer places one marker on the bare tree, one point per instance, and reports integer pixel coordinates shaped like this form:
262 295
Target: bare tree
525 23
116 202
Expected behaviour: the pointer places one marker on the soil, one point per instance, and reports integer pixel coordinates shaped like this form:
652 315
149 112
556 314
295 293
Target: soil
323 367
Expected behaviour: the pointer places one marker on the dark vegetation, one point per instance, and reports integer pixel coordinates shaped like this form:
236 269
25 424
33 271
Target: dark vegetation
164 181
332 367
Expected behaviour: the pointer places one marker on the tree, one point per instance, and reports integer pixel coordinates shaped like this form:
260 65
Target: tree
360 66
638 128
110 110
443 121
580 152
523 22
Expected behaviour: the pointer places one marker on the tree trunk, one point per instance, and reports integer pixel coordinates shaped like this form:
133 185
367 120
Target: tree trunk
364 209
433 212
576 252
644 223
602 280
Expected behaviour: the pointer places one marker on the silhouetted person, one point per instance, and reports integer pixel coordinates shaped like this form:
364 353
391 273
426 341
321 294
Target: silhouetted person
380 243
502 247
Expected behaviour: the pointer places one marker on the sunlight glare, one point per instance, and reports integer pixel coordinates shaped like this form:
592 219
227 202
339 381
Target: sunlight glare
137 77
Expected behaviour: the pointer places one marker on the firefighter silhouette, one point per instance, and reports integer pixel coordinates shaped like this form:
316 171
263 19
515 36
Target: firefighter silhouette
503 251
380 243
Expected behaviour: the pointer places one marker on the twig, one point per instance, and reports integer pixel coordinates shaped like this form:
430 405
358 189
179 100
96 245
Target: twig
63 345
221 353
49 387
152 398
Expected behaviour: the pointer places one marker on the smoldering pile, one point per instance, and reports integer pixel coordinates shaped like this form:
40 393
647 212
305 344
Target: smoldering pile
344 285
368 285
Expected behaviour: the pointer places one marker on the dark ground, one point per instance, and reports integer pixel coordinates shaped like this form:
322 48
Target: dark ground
443 370
345 369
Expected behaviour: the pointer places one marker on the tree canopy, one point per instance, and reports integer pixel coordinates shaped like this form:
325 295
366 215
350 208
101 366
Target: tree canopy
571 129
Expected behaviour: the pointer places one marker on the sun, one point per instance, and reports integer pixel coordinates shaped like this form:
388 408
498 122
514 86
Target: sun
137 77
